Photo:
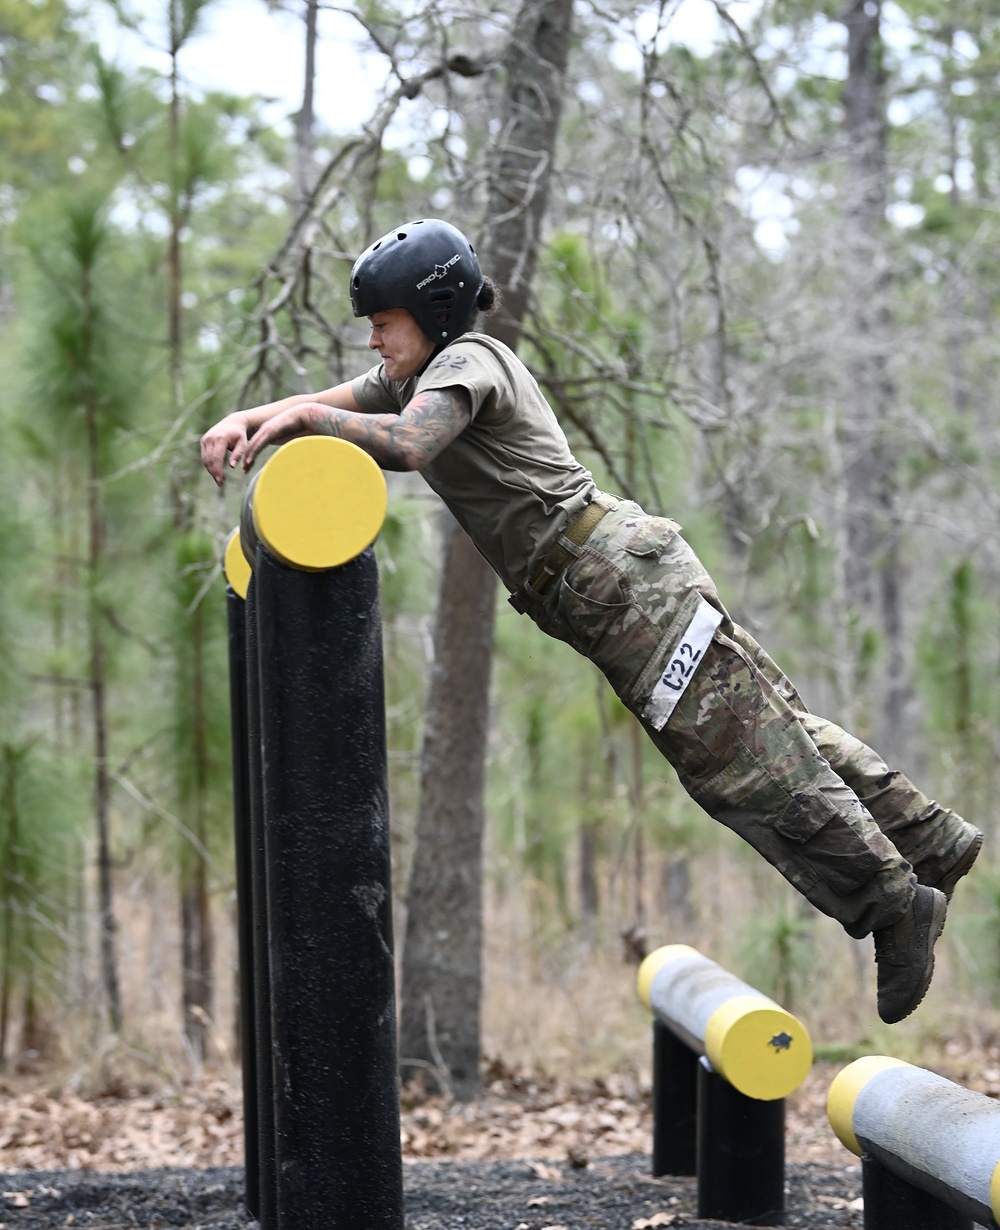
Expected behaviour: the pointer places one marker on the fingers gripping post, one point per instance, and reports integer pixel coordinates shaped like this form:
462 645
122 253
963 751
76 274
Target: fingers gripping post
329 995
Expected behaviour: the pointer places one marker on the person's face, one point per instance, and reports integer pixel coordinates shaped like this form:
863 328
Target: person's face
401 343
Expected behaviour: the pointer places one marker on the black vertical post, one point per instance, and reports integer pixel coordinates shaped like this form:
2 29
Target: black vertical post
892 1204
339 1163
675 1103
236 616
741 1153
267 1198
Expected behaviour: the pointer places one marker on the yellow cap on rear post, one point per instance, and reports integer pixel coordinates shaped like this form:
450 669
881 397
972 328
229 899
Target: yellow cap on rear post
319 502
235 565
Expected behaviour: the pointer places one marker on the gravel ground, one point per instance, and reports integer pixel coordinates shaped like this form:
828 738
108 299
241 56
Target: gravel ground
611 1193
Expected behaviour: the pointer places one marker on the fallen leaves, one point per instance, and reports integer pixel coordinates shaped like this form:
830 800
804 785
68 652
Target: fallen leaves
60 1130
545 1121
546 1172
541 1121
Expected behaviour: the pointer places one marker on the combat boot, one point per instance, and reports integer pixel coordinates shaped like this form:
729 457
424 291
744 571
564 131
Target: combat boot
905 954
946 878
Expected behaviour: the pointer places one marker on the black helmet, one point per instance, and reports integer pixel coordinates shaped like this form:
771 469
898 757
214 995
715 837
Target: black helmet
427 267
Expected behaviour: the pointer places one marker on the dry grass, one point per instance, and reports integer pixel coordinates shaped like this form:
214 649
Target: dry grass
558 1002
567 1042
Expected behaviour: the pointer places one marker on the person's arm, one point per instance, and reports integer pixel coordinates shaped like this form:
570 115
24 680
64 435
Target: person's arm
231 434
406 441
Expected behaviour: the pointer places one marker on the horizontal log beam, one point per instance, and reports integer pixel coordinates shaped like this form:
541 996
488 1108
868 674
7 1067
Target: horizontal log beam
760 1048
923 1128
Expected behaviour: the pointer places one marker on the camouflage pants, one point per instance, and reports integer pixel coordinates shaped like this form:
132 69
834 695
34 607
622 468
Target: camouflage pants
818 804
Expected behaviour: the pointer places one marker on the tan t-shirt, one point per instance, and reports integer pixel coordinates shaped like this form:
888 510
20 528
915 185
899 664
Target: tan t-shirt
509 478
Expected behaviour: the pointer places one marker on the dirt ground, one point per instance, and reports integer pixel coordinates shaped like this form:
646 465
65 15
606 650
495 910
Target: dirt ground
610 1193
529 1155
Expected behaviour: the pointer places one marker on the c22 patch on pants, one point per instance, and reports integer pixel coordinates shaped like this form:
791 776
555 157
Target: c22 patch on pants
681 665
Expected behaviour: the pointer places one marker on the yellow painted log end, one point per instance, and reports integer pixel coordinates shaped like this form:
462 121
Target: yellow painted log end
318 503
844 1091
761 1050
652 965
235 565
995 1192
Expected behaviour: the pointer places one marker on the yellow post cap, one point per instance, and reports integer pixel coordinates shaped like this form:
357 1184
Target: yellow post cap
319 502
652 965
761 1050
235 565
844 1090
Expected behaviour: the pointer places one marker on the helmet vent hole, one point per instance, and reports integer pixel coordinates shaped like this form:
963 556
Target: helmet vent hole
401 235
376 246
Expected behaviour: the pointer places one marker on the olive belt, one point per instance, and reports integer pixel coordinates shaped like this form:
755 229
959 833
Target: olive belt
578 531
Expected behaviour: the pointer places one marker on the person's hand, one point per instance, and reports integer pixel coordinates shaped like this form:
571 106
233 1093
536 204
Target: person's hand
288 425
229 435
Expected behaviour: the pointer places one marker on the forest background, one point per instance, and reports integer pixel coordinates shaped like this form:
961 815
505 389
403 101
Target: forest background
758 279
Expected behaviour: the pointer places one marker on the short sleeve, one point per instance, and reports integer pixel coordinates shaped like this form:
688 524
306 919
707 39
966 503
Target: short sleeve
469 366
374 394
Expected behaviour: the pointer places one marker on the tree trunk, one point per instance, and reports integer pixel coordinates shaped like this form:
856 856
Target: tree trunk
589 843
874 569
196 960
197 949
305 120
9 875
521 170
174 243
197 939
98 688
442 970
442 984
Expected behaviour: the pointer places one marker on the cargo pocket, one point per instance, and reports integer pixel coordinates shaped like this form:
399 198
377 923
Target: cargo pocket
830 844
595 603
652 537
808 811
743 785
628 608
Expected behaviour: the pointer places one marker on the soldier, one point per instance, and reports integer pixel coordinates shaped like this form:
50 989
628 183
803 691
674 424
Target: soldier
624 588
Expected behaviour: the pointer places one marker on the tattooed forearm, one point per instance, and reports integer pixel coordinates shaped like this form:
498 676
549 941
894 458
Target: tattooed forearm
404 441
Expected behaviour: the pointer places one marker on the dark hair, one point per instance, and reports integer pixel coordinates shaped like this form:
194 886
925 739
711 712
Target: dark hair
487 302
